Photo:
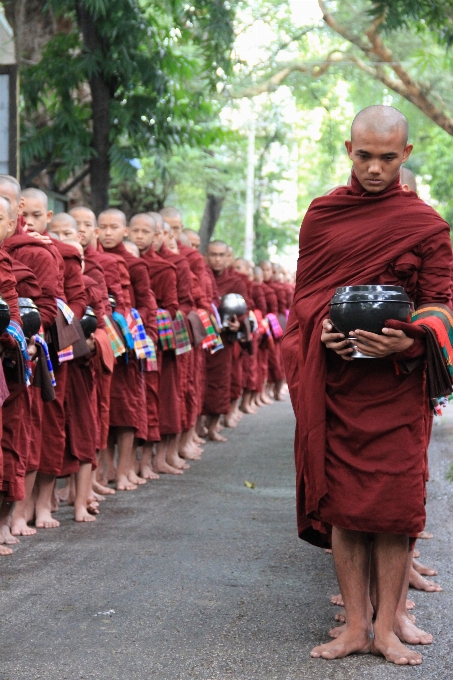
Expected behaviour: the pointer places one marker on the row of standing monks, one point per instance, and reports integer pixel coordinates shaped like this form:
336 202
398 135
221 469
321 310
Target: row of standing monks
134 395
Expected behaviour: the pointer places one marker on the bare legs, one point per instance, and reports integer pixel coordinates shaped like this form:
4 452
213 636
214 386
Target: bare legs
82 494
43 508
24 510
146 462
212 424
6 538
125 441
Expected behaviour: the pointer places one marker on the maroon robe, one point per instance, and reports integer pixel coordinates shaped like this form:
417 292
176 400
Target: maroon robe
163 280
219 366
362 426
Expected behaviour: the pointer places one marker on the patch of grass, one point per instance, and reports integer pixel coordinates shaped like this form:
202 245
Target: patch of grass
449 474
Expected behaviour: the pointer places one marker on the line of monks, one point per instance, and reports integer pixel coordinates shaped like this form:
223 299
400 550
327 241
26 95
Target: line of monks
133 366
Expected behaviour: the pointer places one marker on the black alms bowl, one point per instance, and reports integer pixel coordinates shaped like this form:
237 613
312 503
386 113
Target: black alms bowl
88 322
30 317
368 307
5 316
232 305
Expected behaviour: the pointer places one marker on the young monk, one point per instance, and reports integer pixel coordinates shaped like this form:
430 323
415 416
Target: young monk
276 306
259 298
217 400
128 418
37 257
164 416
14 444
249 359
380 453
103 268
37 216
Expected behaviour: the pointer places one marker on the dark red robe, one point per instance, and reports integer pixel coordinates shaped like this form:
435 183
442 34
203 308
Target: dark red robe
362 426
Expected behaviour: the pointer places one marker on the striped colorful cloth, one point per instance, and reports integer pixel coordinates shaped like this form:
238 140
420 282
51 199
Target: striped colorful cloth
439 319
216 321
67 311
165 329
15 331
181 334
276 328
125 331
115 340
143 345
211 336
66 354
40 341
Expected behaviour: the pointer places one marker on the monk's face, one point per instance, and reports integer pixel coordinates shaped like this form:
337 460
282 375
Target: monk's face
169 239
266 268
86 223
241 267
217 258
230 257
8 191
258 276
194 240
377 156
158 238
7 224
36 215
111 230
141 232
175 226
64 230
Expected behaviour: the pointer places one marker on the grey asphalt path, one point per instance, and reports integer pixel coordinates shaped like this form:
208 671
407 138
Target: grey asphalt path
204 578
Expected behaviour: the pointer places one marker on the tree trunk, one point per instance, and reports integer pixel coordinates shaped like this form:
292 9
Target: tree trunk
100 104
210 218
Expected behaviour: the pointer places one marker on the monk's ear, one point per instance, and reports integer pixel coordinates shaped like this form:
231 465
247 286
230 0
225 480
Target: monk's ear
407 152
348 146
49 216
21 205
126 232
11 228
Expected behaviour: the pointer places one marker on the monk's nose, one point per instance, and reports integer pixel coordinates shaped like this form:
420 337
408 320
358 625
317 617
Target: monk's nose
375 168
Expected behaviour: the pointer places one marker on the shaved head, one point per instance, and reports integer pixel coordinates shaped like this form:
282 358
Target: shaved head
143 217
157 218
170 212
11 181
381 119
79 210
114 212
407 178
36 195
63 218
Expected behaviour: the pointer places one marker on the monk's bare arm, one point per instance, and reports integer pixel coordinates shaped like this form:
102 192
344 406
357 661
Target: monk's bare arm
336 341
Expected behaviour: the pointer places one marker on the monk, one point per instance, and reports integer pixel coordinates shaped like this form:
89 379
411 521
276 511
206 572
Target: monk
128 418
162 277
14 457
194 238
275 369
260 397
249 358
37 216
103 268
361 456
35 255
217 400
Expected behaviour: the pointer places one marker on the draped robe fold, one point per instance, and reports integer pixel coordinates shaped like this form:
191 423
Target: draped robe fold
362 426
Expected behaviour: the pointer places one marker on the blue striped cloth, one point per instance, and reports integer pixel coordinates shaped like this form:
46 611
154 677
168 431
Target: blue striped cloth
67 311
15 331
40 341
122 323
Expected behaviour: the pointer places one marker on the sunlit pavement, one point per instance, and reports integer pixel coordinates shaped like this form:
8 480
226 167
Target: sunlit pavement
204 577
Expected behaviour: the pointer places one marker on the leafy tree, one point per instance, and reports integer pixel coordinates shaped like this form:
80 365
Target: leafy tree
120 78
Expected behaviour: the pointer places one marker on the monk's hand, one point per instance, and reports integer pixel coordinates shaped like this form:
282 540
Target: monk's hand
391 342
44 238
336 341
234 324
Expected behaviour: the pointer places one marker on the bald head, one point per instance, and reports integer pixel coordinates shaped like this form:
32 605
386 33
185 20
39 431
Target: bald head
408 180
10 189
86 224
381 119
157 218
65 227
378 147
114 213
241 266
193 236
142 229
266 268
173 218
216 256
36 195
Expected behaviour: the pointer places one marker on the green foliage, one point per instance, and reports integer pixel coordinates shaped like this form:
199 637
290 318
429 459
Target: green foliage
423 15
158 76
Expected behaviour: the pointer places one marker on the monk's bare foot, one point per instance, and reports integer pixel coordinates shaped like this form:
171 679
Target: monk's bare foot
338 600
44 520
103 490
423 569
410 604
190 452
147 472
123 484
425 535
5 551
230 422
177 462
19 527
199 440
63 494
410 634
215 436
166 469
390 647
135 479
337 631
340 616
249 409
97 496
6 536
418 582
416 553
81 514
328 551
279 397
349 642
203 432
93 508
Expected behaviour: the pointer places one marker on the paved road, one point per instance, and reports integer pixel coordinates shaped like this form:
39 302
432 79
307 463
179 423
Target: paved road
204 578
